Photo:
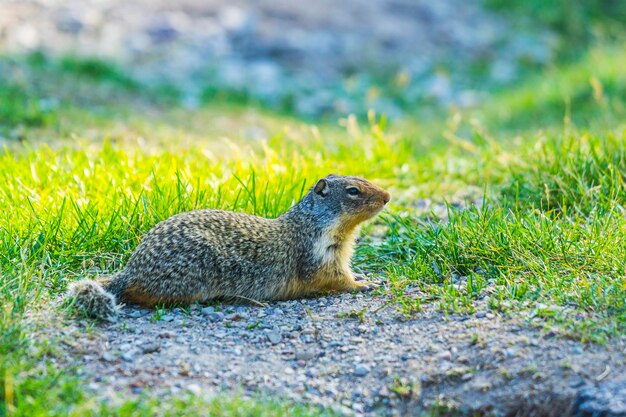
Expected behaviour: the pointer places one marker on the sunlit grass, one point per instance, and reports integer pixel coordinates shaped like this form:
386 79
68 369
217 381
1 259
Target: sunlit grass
588 92
90 178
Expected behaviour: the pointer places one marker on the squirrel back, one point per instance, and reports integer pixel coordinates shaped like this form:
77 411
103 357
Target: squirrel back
214 254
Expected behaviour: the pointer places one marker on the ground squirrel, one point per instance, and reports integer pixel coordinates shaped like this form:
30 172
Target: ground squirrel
213 254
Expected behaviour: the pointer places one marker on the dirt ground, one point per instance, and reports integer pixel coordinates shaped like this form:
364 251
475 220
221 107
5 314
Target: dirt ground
353 353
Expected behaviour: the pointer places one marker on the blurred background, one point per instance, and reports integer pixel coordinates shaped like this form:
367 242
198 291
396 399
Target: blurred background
315 58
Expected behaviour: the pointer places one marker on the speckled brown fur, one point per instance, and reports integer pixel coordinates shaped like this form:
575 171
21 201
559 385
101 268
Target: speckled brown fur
214 254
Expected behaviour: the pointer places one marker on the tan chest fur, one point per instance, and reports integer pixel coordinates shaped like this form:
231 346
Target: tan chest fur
335 248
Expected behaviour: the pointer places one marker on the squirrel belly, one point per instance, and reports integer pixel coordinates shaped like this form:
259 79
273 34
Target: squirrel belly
213 254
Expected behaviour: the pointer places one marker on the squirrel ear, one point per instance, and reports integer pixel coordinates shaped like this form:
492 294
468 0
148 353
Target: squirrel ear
321 188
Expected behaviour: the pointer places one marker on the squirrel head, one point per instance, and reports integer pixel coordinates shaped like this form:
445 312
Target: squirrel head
351 200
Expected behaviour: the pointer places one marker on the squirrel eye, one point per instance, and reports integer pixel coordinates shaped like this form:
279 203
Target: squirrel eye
353 191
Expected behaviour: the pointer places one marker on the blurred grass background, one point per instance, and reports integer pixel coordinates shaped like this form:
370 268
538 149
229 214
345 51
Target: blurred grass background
579 22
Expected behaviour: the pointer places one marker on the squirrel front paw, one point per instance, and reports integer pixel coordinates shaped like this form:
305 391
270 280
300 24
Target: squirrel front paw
359 277
362 286
363 283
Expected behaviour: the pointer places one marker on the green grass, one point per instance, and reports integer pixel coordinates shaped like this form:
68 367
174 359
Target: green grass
575 175
587 92
107 162
97 70
578 21
21 107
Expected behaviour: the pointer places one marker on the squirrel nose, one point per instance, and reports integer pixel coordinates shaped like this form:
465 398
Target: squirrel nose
386 197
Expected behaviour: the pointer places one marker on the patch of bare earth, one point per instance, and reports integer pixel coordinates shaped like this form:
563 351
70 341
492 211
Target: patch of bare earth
353 353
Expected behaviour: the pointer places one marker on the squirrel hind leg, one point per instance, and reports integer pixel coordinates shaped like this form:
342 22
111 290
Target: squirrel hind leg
91 299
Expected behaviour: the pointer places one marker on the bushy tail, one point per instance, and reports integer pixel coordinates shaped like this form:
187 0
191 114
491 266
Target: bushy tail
91 298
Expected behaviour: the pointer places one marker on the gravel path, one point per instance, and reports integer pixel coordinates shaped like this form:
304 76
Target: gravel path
354 353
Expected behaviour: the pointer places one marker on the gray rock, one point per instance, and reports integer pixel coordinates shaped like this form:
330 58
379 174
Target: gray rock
162 31
216 316
194 389
605 400
207 310
361 370
125 347
135 314
70 23
274 337
273 311
305 355
150 348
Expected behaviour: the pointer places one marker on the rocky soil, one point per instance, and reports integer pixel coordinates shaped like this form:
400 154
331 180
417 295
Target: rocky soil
312 57
353 353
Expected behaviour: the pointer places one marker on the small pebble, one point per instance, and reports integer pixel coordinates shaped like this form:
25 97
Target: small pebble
207 310
137 313
194 389
305 355
150 348
274 337
361 370
216 316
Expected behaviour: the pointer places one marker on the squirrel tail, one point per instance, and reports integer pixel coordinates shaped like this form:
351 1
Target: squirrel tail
91 298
